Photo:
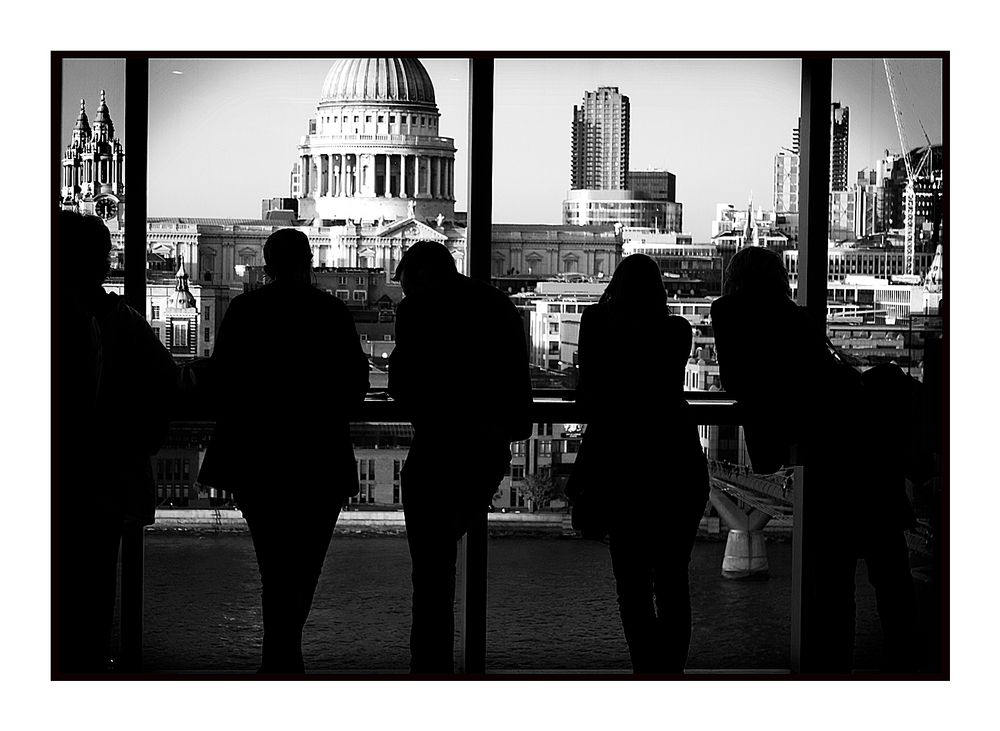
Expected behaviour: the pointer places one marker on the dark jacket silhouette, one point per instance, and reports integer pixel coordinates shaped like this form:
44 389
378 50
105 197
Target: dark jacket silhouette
289 374
114 386
797 402
800 405
641 459
460 373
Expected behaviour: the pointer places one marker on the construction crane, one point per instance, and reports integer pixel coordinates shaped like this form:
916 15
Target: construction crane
909 195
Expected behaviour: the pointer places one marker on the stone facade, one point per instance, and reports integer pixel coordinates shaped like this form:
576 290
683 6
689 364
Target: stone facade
547 250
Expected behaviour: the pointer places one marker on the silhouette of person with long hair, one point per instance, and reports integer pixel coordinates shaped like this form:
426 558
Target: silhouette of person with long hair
114 389
288 373
654 506
460 373
799 405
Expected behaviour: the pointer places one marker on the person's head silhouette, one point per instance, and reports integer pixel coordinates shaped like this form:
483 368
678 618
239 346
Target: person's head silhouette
288 256
757 272
84 252
636 283
425 266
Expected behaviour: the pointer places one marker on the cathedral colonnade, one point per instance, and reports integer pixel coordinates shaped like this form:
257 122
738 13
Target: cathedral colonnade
378 174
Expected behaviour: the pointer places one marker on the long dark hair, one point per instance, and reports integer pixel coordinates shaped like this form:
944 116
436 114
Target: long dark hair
758 272
636 285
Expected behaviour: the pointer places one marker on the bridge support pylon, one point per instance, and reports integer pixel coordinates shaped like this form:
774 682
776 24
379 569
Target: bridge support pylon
746 552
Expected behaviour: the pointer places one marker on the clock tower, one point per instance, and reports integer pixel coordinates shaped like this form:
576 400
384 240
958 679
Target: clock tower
93 168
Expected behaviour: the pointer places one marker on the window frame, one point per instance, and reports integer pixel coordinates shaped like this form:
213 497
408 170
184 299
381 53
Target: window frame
814 173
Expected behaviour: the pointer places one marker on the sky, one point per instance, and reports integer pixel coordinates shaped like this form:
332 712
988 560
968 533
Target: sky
223 132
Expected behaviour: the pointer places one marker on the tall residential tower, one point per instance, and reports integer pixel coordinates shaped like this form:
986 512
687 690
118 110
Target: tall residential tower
600 141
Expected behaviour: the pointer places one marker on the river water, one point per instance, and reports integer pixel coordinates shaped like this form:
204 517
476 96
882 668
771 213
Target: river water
551 606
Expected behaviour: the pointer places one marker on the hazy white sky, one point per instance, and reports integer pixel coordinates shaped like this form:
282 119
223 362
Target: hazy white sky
223 132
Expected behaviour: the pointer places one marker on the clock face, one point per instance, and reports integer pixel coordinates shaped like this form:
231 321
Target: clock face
106 208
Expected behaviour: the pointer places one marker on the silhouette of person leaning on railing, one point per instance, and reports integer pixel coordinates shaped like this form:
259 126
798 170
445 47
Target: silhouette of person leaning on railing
288 373
641 470
799 404
114 387
460 373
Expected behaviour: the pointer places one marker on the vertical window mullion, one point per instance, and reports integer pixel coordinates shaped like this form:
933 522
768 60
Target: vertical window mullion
137 135
480 193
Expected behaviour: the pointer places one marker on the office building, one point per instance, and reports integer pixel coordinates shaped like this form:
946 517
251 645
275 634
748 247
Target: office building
624 207
653 185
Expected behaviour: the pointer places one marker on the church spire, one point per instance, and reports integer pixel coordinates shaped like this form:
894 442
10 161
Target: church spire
750 234
81 131
104 128
182 299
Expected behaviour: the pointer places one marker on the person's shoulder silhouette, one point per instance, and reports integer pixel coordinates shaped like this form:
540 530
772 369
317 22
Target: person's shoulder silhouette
289 373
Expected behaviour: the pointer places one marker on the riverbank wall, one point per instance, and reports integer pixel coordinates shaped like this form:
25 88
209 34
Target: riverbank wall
384 522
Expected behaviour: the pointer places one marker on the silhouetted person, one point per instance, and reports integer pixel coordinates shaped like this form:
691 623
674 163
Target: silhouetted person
799 405
643 458
288 373
115 385
460 373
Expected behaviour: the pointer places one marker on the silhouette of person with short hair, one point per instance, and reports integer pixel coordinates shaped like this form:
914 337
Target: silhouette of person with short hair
799 405
289 373
115 384
460 373
652 512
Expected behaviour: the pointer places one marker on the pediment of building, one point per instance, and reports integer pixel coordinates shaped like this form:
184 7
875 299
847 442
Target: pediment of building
411 228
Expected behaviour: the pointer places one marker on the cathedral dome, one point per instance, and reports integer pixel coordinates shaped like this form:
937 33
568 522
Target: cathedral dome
378 80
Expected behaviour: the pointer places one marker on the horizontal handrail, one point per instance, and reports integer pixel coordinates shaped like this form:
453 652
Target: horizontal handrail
548 406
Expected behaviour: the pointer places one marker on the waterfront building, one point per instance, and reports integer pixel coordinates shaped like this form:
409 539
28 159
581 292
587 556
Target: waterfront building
868 299
600 141
547 250
547 455
845 261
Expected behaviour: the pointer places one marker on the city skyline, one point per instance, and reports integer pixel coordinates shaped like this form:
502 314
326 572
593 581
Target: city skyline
223 132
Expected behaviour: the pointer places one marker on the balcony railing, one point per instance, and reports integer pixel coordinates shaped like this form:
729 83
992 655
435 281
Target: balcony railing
550 406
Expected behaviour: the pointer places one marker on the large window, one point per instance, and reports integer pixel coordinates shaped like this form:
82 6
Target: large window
686 160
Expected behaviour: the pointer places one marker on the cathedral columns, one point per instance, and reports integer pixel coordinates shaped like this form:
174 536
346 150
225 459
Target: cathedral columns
402 176
342 175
